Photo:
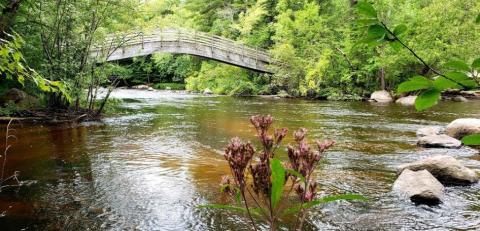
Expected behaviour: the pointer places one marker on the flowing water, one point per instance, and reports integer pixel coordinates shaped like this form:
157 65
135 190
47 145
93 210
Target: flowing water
150 167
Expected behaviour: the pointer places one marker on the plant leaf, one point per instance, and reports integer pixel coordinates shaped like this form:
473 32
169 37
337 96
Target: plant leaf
471 139
376 31
400 29
367 21
414 84
462 79
458 65
396 46
427 99
295 173
278 181
478 19
323 200
476 64
366 9
441 83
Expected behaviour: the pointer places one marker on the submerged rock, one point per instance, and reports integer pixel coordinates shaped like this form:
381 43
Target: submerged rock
438 141
459 99
420 186
431 130
446 169
463 127
381 97
407 100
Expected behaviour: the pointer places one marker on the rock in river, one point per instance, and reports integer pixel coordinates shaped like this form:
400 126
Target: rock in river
438 141
431 130
381 97
446 169
407 100
420 186
207 91
463 127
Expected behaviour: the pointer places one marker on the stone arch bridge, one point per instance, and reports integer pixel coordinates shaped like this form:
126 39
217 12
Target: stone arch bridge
181 41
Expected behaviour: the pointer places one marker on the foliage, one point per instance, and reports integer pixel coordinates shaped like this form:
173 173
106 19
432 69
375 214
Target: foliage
222 79
13 67
430 88
169 86
263 197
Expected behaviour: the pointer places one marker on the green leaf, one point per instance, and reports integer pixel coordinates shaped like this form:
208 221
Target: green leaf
441 83
376 31
367 22
323 200
462 79
278 181
427 99
295 173
471 140
458 65
478 19
229 208
400 29
476 64
396 46
366 9
414 84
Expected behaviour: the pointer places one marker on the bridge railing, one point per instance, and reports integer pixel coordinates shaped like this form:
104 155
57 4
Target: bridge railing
187 36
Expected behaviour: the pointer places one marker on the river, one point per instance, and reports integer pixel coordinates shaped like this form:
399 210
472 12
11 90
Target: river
149 167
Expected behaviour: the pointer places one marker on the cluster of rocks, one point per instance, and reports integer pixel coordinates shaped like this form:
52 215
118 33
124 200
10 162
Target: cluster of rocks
385 97
423 181
143 87
449 137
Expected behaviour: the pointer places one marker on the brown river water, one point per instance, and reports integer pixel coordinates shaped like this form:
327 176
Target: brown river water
151 166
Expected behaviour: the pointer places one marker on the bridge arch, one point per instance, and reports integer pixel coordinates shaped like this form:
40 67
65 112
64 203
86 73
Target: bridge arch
181 41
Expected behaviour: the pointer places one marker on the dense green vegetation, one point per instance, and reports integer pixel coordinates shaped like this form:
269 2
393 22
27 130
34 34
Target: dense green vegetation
324 49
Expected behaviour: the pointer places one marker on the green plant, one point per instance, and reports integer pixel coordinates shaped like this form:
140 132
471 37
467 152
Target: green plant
460 75
260 180
14 67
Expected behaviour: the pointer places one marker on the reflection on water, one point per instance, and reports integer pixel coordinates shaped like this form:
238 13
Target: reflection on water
149 168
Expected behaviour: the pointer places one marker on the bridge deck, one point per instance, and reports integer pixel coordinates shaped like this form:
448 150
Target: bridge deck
181 41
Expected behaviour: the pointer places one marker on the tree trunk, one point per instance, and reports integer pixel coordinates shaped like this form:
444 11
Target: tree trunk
381 76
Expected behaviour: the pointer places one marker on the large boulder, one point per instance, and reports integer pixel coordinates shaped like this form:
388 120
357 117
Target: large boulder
407 100
207 91
438 141
14 95
420 186
431 130
381 97
446 169
463 127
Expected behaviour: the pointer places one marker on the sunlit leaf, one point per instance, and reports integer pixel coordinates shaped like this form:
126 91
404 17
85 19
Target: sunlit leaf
441 83
366 9
367 22
400 29
462 79
323 200
471 140
427 99
458 65
278 181
476 64
396 46
414 84
295 173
